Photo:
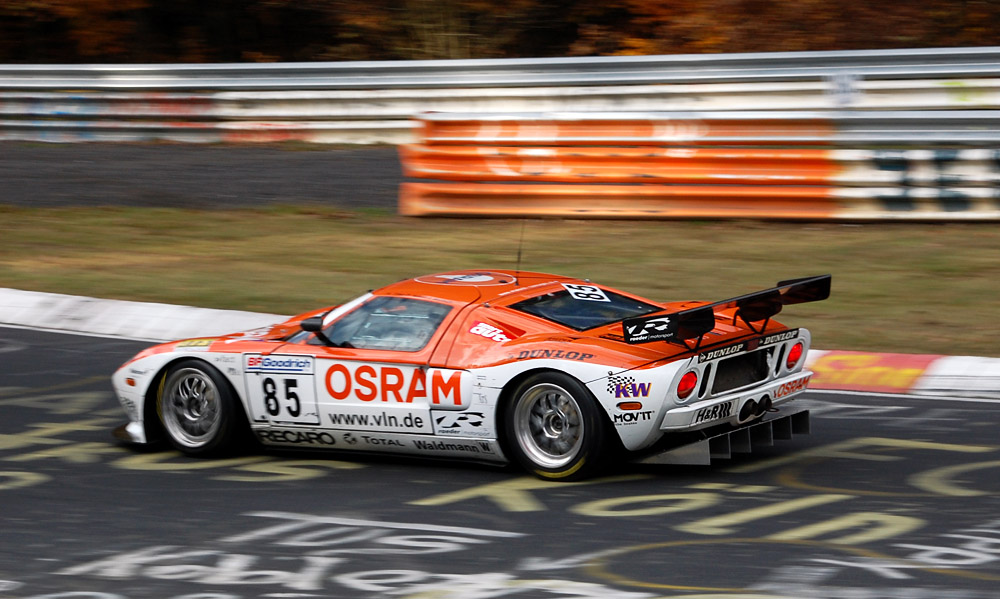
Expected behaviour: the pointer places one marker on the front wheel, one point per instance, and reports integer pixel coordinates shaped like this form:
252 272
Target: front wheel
198 409
554 427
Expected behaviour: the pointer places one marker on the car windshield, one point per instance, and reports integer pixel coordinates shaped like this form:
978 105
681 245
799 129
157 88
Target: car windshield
389 323
583 307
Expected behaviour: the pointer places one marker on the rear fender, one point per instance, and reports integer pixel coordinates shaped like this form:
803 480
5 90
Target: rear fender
635 401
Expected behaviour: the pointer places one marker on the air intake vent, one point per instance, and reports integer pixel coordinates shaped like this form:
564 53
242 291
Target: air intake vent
740 371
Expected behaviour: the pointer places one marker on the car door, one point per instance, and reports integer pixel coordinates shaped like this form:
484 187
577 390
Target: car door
367 371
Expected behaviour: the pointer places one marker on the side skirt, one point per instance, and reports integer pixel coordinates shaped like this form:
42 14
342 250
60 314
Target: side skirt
427 446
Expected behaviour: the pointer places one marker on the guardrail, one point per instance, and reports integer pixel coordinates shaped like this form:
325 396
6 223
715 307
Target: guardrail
671 165
913 63
810 130
374 102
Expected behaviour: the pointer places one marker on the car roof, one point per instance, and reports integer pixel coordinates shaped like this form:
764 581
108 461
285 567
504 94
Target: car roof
476 286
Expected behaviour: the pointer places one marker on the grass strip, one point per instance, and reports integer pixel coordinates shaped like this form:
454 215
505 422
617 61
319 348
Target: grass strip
913 288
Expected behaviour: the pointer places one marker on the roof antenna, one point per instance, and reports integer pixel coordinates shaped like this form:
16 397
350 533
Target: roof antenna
520 244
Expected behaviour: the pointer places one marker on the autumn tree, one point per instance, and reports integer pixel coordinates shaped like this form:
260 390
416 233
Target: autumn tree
87 29
133 31
686 26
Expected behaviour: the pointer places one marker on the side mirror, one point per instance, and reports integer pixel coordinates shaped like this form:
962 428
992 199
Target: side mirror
315 325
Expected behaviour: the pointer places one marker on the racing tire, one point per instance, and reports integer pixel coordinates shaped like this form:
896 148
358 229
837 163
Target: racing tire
555 429
199 411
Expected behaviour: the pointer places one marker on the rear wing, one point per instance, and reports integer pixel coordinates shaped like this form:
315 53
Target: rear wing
695 323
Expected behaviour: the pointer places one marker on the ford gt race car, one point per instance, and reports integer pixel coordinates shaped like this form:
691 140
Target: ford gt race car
557 374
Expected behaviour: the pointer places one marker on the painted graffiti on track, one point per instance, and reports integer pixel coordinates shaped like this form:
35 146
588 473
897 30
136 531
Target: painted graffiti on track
889 497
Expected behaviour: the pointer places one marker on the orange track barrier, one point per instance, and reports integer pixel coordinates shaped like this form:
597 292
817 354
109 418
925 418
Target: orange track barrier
620 165
661 165
626 132
616 201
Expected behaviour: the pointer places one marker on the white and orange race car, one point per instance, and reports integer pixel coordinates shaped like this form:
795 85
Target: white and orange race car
555 373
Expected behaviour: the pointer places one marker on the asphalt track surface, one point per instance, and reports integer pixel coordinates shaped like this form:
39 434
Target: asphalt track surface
888 497
193 176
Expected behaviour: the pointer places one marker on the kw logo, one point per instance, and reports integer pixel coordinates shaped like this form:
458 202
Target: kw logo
632 390
625 386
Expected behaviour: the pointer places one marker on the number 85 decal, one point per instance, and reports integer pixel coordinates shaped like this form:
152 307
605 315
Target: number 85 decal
285 401
271 398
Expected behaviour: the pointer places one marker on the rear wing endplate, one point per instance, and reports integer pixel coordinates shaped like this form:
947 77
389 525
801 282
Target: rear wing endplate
757 307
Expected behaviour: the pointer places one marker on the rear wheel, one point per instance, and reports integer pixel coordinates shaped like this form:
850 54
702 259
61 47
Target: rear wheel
199 410
554 427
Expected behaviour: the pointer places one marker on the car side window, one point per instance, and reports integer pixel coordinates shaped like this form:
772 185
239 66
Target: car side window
388 323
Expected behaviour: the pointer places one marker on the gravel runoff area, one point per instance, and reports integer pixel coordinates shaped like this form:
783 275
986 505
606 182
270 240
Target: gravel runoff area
194 176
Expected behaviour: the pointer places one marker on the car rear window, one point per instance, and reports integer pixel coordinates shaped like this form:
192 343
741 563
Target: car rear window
583 307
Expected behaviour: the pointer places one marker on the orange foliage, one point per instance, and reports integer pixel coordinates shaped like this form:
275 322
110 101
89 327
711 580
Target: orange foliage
284 30
97 27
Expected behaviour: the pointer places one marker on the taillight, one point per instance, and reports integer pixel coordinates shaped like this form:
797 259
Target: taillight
794 355
687 385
